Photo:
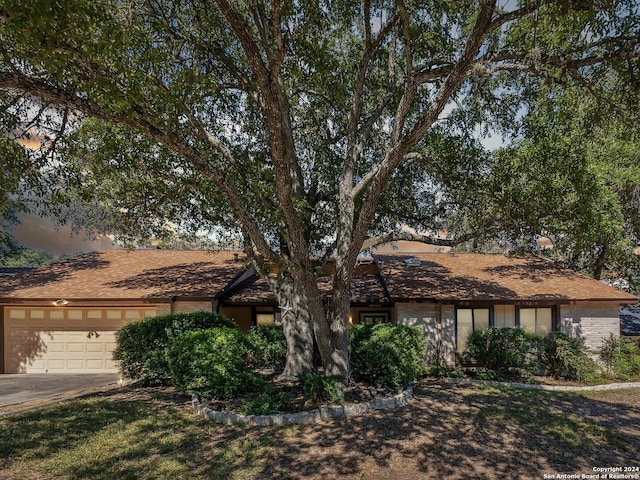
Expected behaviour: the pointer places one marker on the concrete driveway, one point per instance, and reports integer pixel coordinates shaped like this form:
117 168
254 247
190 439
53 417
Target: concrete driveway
22 392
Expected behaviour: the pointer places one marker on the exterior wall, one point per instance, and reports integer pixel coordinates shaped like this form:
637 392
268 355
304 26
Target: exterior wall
591 322
190 307
437 323
182 306
240 315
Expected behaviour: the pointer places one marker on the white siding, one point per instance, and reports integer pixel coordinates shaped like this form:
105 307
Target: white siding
591 322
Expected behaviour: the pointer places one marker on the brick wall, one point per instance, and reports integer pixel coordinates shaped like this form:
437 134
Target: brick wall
591 322
437 323
189 307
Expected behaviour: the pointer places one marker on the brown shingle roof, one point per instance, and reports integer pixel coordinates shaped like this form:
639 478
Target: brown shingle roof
468 276
144 274
127 274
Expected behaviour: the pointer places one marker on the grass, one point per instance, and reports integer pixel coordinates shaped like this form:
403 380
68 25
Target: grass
542 413
450 430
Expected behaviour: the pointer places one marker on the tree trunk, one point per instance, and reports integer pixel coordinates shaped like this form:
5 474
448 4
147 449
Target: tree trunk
296 324
339 314
330 325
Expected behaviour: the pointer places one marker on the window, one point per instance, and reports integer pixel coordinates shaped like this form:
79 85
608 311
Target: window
467 321
265 319
536 320
373 317
504 316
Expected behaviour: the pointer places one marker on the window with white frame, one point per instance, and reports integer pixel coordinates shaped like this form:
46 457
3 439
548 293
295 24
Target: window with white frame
536 320
469 320
504 316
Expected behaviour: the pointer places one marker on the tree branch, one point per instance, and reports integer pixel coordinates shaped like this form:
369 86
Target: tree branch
288 174
396 152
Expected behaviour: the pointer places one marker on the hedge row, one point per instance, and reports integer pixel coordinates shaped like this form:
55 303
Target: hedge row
505 351
204 353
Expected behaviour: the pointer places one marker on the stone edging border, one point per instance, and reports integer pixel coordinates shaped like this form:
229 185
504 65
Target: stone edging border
326 412
553 388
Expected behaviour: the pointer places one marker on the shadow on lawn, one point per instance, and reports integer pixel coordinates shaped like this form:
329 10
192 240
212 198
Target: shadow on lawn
447 431
451 431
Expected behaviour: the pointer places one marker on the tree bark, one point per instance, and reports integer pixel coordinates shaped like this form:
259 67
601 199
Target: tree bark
296 324
601 261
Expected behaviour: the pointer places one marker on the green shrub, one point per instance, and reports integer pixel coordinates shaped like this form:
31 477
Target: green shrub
212 363
503 350
622 357
318 388
387 354
268 347
268 402
568 358
188 322
141 345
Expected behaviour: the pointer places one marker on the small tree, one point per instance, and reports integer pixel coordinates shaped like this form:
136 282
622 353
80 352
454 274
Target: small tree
622 357
568 357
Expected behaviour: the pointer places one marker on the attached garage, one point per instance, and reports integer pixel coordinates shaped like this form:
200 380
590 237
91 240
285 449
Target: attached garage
62 318
64 340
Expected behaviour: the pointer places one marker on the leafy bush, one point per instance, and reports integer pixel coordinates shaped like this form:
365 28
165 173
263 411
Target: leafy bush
444 372
141 345
622 357
318 388
212 363
188 322
387 354
268 347
268 402
503 349
568 358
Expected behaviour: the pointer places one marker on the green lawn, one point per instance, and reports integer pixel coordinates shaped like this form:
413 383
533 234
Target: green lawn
451 430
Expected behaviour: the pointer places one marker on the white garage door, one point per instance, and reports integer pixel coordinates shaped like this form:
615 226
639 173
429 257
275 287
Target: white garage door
63 340
64 351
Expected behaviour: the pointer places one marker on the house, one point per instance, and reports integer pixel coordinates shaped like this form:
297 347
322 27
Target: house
62 318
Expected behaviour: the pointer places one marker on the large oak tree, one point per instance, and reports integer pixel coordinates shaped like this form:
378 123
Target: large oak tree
312 128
